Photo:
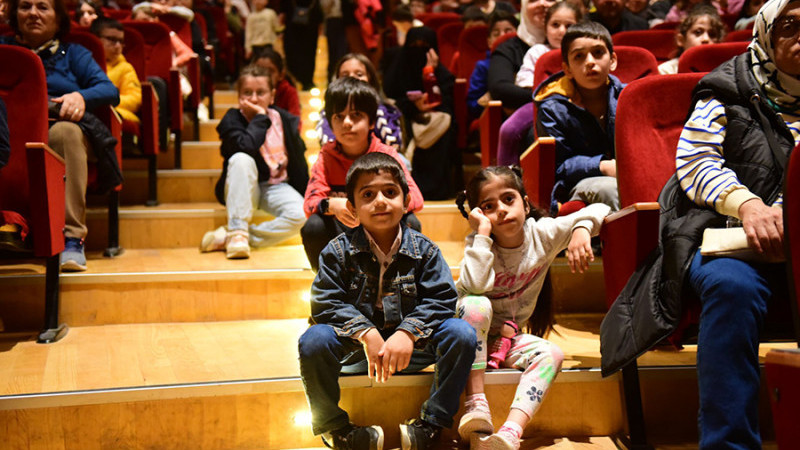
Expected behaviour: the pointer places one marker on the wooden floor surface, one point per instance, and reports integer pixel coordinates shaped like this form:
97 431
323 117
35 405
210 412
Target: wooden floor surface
118 356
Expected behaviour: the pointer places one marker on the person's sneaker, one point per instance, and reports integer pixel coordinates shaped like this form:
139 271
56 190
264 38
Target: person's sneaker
504 439
416 434
237 245
72 257
352 437
476 419
214 241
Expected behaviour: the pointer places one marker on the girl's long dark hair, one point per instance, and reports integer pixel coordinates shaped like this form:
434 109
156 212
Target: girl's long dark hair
543 318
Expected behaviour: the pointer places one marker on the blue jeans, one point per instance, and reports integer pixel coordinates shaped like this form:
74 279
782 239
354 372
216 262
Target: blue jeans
323 355
243 193
734 295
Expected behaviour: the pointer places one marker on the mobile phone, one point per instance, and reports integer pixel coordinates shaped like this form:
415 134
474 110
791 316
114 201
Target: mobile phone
414 95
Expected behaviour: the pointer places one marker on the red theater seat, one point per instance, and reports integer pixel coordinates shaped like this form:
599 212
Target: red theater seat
32 183
661 43
705 58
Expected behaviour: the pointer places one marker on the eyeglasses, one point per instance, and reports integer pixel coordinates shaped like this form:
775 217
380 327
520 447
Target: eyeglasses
114 40
786 27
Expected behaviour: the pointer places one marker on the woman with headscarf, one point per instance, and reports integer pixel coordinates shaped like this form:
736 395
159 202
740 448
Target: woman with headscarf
729 168
507 58
76 86
434 156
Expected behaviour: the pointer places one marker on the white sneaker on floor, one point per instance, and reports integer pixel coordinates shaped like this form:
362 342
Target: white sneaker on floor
502 440
477 419
237 245
214 241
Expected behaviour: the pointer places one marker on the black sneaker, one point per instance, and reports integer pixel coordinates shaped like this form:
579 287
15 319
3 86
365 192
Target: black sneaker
352 437
416 434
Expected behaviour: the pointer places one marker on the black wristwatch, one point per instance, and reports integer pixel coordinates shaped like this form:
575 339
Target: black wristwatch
323 206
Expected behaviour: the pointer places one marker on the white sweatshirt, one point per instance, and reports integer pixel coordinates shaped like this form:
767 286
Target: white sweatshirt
512 278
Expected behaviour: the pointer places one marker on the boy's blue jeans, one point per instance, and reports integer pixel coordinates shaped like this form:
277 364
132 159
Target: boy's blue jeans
323 355
734 295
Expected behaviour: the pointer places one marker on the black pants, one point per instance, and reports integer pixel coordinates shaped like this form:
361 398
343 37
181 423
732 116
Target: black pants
337 43
320 229
300 46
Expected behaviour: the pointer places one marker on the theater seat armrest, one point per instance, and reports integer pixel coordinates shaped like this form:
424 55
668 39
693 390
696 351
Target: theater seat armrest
148 117
628 236
538 165
193 73
46 185
460 111
175 101
489 122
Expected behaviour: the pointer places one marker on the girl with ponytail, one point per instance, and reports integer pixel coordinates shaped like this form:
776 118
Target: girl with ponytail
503 273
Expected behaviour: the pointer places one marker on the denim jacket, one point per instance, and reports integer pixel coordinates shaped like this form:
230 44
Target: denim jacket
418 289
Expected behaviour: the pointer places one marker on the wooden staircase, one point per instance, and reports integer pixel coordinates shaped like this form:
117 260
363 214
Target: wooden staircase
169 348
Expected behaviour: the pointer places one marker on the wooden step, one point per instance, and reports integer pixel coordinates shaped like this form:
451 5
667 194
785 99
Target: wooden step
172 225
174 186
183 285
237 385
138 384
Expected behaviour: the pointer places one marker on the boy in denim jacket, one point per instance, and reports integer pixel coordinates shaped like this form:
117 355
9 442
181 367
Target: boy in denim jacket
383 296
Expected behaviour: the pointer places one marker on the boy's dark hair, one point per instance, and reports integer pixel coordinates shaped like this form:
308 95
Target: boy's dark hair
402 14
357 94
254 71
699 10
374 163
542 320
502 16
585 29
101 23
474 14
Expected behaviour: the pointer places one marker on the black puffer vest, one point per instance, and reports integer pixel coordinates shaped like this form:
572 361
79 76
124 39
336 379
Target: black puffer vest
756 146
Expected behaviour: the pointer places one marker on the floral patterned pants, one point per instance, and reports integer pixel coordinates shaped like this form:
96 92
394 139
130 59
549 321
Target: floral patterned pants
538 359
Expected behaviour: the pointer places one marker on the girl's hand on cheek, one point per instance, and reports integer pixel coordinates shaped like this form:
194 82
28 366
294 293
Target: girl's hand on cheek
479 222
579 250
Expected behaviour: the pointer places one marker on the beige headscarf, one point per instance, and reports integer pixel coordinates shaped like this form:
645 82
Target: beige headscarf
526 31
781 89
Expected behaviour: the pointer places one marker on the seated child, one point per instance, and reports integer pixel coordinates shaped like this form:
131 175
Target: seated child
119 71
516 133
702 26
506 260
264 166
261 29
388 122
351 105
384 295
747 16
285 93
473 16
500 23
578 107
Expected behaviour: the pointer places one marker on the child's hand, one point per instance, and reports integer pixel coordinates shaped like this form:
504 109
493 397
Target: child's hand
338 207
250 109
373 344
479 222
579 251
396 353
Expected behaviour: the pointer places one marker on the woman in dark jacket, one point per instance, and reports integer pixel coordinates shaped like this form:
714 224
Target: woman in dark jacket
76 86
748 110
437 166
303 18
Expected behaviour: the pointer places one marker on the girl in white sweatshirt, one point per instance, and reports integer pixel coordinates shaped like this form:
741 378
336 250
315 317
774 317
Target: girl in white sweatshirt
505 265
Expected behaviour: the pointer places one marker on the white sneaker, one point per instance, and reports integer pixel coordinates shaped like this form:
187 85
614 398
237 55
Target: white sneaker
476 419
504 439
237 245
213 241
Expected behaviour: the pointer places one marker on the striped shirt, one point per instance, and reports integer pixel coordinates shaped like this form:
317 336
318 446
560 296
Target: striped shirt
700 162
